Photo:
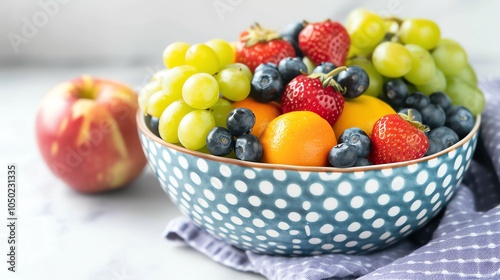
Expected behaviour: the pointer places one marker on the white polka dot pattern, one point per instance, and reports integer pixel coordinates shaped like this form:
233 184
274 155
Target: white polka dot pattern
332 212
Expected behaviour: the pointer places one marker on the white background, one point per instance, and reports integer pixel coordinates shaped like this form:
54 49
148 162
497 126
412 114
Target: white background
65 235
131 32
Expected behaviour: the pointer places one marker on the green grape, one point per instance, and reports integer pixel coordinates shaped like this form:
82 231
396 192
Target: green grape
159 101
391 59
174 54
309 64
200 91
146 92
194 128
366 29
170 119
462 93
376 80
233 84
422 65
468 75
437 83
450 57
391 27
357 52
159 75
203 58
243 68
421 32
225 53
174 79
220 111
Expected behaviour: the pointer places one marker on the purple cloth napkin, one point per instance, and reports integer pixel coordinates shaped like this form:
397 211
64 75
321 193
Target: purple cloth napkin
463 242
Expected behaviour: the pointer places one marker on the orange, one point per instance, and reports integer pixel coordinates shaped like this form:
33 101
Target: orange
298 138
362 112
264 113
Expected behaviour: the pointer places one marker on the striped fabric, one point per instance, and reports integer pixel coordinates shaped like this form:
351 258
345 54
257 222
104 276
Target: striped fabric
462 243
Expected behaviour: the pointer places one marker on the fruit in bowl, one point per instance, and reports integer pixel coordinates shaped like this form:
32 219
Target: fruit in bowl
298 210
332 169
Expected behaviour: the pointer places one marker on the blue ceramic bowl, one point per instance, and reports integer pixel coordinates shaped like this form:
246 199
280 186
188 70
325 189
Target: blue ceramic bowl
295 210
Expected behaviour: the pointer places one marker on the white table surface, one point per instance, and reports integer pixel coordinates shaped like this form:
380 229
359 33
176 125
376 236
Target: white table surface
63 234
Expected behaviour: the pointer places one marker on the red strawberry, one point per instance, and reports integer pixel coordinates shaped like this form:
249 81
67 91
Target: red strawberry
258 45
317 93
395 139
326 41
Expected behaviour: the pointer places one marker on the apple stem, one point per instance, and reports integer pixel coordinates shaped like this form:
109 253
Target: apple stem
86 89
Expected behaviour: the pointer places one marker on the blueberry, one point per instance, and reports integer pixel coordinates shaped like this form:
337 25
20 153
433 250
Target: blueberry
291 34
460 119
267 85
417 100
433 116
295 45
435 145
248 147
324 67
394 93
355 80
342 155
445 135
362 162
441 99
290 68
416 116
266 65
357 138
220 141
240 121
152 124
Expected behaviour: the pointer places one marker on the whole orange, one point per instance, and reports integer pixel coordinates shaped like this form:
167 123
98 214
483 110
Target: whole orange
362 112
298 138
264 113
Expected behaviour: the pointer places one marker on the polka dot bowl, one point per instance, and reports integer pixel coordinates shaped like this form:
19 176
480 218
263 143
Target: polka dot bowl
298 211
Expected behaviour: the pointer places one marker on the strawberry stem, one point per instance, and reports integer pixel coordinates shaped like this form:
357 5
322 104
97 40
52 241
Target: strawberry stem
328 80
336 71
258 34
409 118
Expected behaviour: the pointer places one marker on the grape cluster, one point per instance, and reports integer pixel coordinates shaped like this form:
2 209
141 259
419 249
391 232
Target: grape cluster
404 62
412 68
194 93
414 52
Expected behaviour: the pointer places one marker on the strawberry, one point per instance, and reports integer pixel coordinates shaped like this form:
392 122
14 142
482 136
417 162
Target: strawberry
395 139
326 41
317 93
259 45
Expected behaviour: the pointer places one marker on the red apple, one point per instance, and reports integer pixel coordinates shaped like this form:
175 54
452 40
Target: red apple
87 134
